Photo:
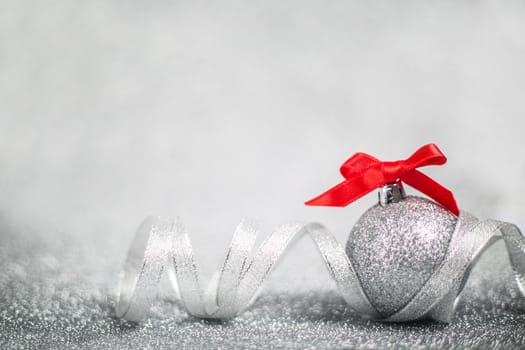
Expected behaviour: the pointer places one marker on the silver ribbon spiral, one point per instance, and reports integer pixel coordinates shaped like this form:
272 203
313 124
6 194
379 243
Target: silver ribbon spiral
162 243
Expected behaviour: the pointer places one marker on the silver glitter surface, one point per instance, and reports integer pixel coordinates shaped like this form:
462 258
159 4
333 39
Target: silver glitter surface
395 249
50 298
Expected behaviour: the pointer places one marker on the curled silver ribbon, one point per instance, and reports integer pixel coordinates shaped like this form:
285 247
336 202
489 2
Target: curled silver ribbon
164 243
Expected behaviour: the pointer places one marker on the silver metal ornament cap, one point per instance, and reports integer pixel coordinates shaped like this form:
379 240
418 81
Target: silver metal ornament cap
391 193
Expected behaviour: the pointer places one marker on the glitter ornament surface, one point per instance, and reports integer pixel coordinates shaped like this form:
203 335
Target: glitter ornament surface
396 248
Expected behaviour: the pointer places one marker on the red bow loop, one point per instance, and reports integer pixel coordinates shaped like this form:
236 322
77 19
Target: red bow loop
364 173
356 164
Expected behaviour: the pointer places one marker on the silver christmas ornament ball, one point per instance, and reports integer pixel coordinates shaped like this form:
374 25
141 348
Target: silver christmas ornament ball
396 246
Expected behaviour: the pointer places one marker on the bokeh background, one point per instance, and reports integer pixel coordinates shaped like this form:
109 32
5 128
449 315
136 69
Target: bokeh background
216 111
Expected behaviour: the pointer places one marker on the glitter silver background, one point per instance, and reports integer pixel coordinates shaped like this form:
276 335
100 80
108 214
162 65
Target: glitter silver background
113 110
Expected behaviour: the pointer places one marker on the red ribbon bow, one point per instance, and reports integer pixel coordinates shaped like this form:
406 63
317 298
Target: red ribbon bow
364 173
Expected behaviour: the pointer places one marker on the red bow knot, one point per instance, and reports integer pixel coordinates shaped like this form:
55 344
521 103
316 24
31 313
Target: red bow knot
364 173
